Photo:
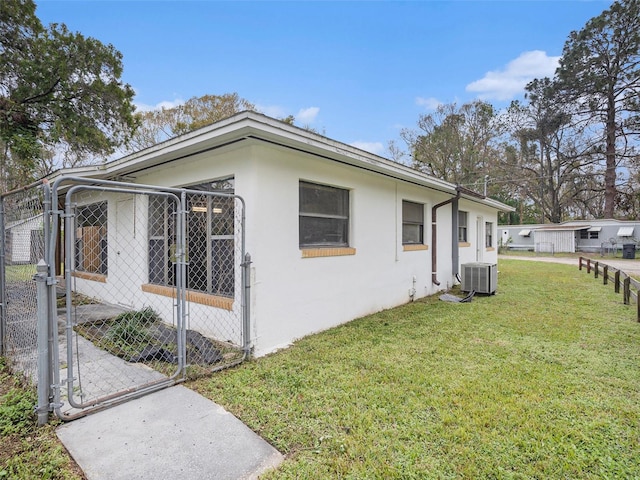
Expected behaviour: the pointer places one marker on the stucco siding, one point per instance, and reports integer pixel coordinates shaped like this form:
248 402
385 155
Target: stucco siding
293 295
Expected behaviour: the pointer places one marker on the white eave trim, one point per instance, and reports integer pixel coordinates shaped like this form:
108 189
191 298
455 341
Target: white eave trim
249 126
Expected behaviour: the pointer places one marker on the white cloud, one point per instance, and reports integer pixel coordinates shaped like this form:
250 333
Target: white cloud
307 115
142 107
274 111
373 147
507 83
429 103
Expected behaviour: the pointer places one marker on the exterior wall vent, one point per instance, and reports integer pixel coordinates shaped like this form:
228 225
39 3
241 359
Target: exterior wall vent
481 277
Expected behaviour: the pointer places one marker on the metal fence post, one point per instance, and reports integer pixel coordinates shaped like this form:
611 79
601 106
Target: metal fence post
43 341
246 301
3 317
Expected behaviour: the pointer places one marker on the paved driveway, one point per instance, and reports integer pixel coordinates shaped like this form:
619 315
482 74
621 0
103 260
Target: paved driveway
630 267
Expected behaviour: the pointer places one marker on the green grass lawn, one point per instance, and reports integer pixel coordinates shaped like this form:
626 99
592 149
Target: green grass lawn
541 380
26 451
20 273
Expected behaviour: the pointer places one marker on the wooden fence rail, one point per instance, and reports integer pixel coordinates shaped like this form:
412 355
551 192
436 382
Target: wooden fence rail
630 286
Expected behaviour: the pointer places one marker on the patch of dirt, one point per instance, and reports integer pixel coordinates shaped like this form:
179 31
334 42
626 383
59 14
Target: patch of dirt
148 339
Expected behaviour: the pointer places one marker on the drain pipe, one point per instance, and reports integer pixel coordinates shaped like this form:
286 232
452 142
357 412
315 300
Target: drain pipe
434 236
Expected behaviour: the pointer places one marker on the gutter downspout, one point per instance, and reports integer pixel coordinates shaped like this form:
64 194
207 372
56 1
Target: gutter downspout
434 236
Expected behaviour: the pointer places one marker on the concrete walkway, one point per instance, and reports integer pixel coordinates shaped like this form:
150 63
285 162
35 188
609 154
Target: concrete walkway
173 433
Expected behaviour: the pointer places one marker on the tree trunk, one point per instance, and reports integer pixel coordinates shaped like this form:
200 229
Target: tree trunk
610 172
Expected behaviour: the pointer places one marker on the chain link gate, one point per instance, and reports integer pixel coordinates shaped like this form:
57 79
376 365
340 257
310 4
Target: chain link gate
154 291
150 283
22 226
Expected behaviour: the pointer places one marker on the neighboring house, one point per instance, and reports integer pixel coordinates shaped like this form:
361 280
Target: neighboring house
573 236
25 239
334 232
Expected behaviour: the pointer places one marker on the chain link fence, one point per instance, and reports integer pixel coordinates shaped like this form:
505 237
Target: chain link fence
144 287
114 340
214 280
23 246
153 283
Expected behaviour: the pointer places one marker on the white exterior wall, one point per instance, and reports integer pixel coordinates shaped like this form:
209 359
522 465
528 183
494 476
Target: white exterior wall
562 241
294 296
127 249
20 241
475 249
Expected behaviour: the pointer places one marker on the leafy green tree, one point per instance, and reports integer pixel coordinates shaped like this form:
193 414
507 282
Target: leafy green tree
457 144
164 123
551 155
599 73
60 95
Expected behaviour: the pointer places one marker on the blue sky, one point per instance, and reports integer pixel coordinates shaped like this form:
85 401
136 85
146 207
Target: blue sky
356 71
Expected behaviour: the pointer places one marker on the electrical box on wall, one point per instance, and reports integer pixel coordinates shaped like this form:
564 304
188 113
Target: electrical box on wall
480 277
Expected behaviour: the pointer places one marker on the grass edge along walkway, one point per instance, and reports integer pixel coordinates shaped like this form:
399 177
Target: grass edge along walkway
539 381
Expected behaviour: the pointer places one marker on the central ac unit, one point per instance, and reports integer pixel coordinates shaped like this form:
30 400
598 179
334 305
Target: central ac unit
481 277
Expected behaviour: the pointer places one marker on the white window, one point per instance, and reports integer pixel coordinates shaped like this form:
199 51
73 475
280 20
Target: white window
488 242
91 238
590 234
210 245
462 226
323 216
412 223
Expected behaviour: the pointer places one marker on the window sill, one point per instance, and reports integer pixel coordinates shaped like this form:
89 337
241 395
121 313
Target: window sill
414 247
464 244
95 277
195 297
327 252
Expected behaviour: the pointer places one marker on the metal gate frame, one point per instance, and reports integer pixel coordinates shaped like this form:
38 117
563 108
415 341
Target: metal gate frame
50 381
182 309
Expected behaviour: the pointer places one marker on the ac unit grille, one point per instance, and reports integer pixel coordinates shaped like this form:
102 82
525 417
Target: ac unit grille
480 277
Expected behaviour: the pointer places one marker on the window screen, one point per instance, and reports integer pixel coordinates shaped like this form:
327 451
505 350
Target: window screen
412 223
462 226
323 215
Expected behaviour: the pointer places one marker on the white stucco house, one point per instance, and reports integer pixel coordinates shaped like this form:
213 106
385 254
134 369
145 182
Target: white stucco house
334 232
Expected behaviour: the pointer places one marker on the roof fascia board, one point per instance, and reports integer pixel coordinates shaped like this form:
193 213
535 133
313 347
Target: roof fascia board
246 125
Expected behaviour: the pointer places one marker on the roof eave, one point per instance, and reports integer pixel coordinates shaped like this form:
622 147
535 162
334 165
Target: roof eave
248 125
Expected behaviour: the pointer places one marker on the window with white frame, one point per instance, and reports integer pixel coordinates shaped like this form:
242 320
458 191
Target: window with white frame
210 246
91 238
589 234
323 216
462 226
412 223
488 239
